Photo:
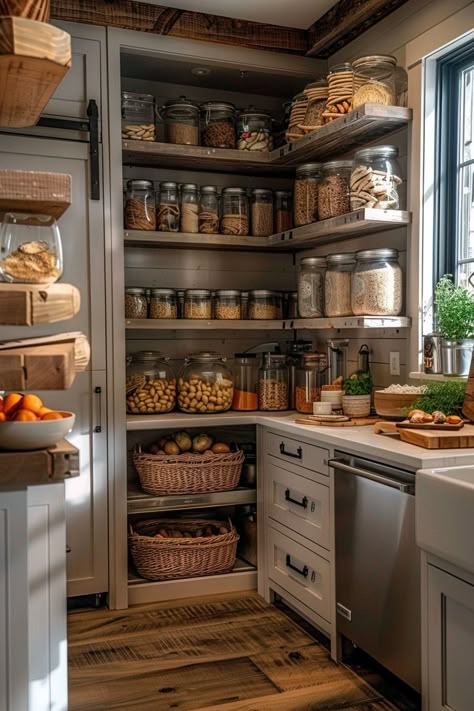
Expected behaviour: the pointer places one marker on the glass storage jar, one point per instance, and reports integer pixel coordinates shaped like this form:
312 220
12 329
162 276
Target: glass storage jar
297 113
262 212
245 382
136 302
375 178
282 216
228 304
311 287
374 80
310 376
254 130
334 189
273 383
197 304
181 120
30 249
180 301
150 384
209 210
163 303
265 304
340 83
168 208
377 286
138 116
189 208
140 211
294 358
305 206
218 124
244 304
235 212
317 95
338 284
205 384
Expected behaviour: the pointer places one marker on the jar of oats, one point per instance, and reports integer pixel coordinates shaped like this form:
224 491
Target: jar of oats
235 212
228 305
140 211
306 194
377 284
205 384
338 284
262 212
136 302
265 305
181 120
150 384
273 383
374 80
163 303
334 189
197 304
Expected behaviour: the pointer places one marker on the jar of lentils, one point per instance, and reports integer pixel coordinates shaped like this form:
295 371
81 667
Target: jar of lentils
168 208
306 193
150 384
265 304
282 217
136 304
235 212
138 116
228 306
140 212
189 208
338 284
218 124
334 189
311 287
163 303
374 80
262 212
181 119
197 304
375 178
377 283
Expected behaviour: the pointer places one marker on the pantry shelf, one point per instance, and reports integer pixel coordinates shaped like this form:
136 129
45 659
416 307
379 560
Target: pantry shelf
350 322
202 325
185 240
140 502
182 420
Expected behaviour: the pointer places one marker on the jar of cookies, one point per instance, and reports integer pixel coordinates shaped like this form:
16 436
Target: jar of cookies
140 212
205 384
150 384
374 80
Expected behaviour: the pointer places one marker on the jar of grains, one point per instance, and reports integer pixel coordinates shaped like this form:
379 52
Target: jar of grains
306 193
262 212
181 119
317 94
310 376
374 80
163 303
265 304
197 304
334 189
311 287
273 383
205 384
375 178
235 212
218 124
254 130
245 382
136 302
338 284
150 384
377 283
140 213
209 210
168 208
138 116
228 305
282 216
189 208
339 100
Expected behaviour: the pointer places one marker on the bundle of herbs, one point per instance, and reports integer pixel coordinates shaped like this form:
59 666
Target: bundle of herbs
446 397
454 310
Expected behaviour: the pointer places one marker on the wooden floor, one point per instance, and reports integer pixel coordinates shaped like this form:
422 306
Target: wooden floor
213 654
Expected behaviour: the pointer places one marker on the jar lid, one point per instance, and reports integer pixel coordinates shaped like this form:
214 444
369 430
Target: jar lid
376 152
146 356
346 258
198 292
245 355
308 168
182 102
253 112
370 254
262 191
259 293
205 356
227 292
333 164
132 96
163 292
189 186
282 193
341 67
135 290
217 106
313 262
234 191
140 184
376 59
279 357
293 295
168 186
208 189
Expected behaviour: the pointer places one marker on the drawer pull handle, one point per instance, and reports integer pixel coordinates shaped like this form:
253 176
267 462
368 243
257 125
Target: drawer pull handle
289 564
298 455
303 503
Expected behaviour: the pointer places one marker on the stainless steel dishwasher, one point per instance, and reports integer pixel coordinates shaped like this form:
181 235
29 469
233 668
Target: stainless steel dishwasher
377 563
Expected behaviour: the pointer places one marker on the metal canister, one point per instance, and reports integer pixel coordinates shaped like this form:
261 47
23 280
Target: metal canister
432 361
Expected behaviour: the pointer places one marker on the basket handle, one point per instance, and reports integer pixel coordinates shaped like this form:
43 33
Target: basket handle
131 529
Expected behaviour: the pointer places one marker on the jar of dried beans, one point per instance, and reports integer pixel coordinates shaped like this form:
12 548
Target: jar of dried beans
310 376
163 303
138 116
136 302
377 285
228 305
334 189
168 208
254 129
375 178
265 305
306 193
283 215
205 384
374 80
273 383
197 304
311 287
235 212
262 212
209 210
150 384
338 284
339 100
218 124
140 212
181 119
30 249
189 208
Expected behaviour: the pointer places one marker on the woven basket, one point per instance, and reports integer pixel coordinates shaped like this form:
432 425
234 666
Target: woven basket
162 474
172 558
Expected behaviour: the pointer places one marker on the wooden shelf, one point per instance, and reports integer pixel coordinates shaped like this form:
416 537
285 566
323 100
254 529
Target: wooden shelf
436 377
202 325
139 502
34 192
350 322
175 420
40 466
48 367
187 240
29 304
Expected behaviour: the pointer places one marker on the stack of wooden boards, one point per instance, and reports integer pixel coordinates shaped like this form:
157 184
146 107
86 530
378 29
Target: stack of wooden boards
430 438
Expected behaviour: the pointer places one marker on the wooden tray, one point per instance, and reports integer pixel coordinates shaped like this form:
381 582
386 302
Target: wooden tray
355 422
40 466
428 426
430 439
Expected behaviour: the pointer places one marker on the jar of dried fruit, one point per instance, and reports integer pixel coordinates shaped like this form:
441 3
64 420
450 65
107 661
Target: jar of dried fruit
150 384
181 120
307 181
209 210
310 376
273 383
205 384
235 212
138 116
262 212
168 208
30 249
334 189
254 129
374 80
218 124
283 215
140 212
189 208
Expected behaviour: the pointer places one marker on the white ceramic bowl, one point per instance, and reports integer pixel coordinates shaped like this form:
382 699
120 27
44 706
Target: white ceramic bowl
322 408
35 435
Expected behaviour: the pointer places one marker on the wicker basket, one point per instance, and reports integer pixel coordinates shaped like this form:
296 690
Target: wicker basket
162 474
172 558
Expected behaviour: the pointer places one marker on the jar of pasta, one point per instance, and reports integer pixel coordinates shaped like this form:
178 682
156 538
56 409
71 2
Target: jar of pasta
306 194
209 210
235 212
197 304
189 208
338 284
262 212
334 189
138 116
374 80
375 178
140 213
168 208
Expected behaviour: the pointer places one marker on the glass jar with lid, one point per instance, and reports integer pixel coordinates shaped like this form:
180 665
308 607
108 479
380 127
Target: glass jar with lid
189 208
209 210
136 302
235 212
334 189
218 124
150 384
245 382
296 117
138 116
273 383
254 130
307 180
294 358
338 284
168 208
30 249
228 306
163 303
374 80
181 120
205 384
375 178
311 287
377 283
283 212
317 95
265 304
310 376
262 212
197 304
340 83
140 211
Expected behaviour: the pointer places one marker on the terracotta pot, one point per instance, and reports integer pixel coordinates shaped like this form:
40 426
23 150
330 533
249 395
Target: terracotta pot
356 405
31 9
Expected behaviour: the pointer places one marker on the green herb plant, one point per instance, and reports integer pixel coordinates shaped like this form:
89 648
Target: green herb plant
358 384
454 310
447 397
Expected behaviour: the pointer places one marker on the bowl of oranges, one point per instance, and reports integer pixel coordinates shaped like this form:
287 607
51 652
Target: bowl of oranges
26 423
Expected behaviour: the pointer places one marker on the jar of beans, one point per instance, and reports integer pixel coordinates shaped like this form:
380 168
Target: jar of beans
189 208
150 384
262 212
235 212
168 208
228 305
282 216
136 303
140 213
181 119
138 116
205 384
163 303
218 124
334 189
338 284
197 304
265 305
209 210
307 181
273 383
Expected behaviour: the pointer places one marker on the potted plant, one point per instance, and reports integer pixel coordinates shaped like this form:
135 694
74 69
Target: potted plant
455 319
357 395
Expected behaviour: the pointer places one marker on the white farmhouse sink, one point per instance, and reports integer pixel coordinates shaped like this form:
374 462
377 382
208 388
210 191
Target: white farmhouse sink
445 514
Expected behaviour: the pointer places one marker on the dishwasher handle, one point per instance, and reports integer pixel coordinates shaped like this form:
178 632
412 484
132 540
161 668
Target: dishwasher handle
379 478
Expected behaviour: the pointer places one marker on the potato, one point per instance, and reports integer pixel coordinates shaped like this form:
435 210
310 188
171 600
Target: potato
163 533
220 448
222 530
172 448
209 531
154 449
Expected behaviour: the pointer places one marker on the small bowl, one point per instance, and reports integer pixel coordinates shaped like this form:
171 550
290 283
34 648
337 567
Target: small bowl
322 408
24 436
334 397
394 404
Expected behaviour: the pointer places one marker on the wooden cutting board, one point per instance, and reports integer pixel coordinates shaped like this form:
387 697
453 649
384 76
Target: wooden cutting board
356 422
432 439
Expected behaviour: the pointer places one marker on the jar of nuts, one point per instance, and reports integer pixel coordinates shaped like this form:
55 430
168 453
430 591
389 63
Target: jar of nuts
218 124
306 193
265 304
262 212
205 384
198 304
228 304
181 119
138 116
163 303
140 212
136 302
151 384
273 383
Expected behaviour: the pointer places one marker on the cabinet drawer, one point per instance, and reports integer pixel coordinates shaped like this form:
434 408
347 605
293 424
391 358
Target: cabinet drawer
298 570
304 455
297 502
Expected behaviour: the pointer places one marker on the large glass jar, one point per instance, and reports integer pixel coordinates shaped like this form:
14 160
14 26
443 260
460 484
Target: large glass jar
338 284
317 95
205 384
283 216
307 180
30 249
374 80
140 211
168 208
209 210
197 304
228 305
181 119
339 100
265 304
310 376
311 287
377 286
334 189
138 116
294 359
235 212
189 208
163 303
375 178
254 130
245 382
151 384
262 212
136 302
273 383
218 124
296 117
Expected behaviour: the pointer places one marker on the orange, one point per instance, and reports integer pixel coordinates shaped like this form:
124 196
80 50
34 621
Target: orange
24 416
3 417
44 411
52 416
32 403
11 403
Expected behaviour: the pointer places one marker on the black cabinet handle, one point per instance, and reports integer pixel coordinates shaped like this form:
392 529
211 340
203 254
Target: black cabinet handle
298 455
98 427
93 115
303 503
289 564
68 549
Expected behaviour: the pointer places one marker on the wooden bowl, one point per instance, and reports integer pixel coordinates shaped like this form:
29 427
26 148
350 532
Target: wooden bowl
394 404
